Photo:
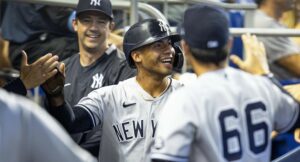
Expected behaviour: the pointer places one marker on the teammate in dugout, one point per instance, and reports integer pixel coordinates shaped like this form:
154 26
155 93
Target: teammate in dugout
29 134
127 112
98 63
226 114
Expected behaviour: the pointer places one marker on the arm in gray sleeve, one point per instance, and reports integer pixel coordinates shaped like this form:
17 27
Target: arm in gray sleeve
49 142
29 134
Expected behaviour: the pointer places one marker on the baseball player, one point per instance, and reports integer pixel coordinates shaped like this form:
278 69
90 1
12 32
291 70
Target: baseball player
97 64
256 63
226 114
29 134
127 112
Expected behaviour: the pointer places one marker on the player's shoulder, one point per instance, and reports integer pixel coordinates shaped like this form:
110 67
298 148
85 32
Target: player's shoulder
258 82
237 73
111 89
72 60
14 104
116 57
176 84
129 83
115 52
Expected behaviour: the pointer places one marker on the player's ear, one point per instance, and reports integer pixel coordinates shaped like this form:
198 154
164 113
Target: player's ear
111 25
136 56
75 24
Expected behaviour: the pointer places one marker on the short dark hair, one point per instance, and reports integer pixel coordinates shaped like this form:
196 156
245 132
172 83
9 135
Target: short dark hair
210 56
259 2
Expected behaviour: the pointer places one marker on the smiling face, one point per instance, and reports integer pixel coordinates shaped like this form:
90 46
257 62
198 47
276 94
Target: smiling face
92 28
156 58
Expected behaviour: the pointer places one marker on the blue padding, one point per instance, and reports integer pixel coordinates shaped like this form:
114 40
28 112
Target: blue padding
290 81
292 156
282 144
236 21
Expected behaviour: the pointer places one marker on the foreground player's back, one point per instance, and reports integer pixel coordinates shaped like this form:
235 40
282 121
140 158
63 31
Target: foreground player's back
228 115
28 133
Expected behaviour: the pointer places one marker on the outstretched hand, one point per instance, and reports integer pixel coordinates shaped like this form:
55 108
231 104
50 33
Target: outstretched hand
255 61
55 84
54 87
38 72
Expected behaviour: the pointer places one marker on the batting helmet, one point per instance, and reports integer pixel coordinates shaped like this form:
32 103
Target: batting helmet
146 32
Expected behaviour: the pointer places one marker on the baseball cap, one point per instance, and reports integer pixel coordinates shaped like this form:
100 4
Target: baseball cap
103 6
205 27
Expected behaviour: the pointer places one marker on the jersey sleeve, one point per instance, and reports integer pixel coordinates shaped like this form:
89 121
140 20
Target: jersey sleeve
16 86
286 109
94 104
174 136
45 139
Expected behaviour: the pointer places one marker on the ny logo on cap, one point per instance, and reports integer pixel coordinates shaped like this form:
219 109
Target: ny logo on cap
212 44
95 2
163 26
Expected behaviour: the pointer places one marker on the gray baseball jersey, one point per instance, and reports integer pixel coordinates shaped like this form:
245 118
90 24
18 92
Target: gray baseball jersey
29 134
225 115
128 117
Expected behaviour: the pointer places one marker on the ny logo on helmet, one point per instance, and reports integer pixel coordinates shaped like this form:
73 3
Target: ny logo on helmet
163 26
95 2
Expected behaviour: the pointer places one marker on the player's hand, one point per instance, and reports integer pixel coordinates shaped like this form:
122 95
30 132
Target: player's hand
255 61
294 90
274 134
297 135
38 72
55 84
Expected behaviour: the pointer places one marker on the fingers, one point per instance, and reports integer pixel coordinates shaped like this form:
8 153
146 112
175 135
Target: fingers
294 90
245 39
236 60
50 64
62 68
42 60
297 135
262 49
24 61
49 74
45 66
288 88
274 134
255 55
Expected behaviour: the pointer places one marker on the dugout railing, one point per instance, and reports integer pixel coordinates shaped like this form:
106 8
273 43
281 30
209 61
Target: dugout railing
153 12
133 6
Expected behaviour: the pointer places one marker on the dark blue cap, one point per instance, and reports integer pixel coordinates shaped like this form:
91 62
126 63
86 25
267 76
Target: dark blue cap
205 27
103 6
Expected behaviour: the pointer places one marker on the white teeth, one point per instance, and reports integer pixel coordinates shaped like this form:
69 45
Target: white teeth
168 60
93 36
